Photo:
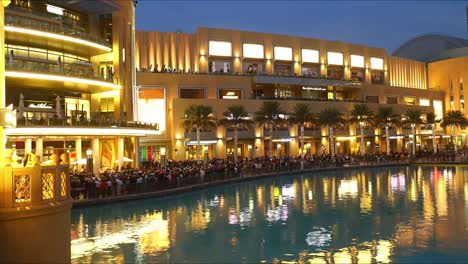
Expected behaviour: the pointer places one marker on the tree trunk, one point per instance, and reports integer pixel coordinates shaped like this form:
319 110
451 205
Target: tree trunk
454 130
302 146
387 138
198 144
271 141
361 127
332 142
413 130
235 144
434 142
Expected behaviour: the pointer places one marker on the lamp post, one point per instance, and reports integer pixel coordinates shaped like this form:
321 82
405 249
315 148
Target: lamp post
89 161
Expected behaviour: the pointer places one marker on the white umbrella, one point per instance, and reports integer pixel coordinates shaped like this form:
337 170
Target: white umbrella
80 162
125 159
21 106
58 108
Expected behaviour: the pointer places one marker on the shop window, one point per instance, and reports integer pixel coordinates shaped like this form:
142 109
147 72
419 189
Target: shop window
311 71
283 93
392 99
372 99
377 77
424 102
283 69
219 66
358 75
192 93
336 73
252 67
229 94
409 100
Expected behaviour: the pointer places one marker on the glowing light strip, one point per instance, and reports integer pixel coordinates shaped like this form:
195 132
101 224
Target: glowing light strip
283 140
51 77
61 131
56 36
345 138
202 142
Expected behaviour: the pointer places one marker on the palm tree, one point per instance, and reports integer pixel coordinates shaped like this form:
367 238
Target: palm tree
431 120
387 118
269 117
362 115
199 117
300 116
454 119
331 118
413 118
236 118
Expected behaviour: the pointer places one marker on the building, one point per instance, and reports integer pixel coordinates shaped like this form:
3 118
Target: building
220 67
70 75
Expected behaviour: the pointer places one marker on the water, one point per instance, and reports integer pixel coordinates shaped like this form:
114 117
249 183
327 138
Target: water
401 214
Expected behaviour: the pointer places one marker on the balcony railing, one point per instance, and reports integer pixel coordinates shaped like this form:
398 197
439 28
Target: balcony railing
307 99
12 20
83 122
28 64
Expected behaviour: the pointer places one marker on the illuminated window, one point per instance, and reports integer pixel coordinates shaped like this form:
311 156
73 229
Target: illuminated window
283 53
357 61
220 48
229 94
312 71
438 109
254 51
107 104
409 100
54 10
424 102
310 56
376 63
335 58
152 107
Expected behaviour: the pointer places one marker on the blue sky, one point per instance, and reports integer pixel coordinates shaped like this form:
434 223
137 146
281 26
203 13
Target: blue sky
385 24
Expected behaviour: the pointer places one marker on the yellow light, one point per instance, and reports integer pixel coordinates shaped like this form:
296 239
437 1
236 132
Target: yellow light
56 36
345 138
40 76
62 131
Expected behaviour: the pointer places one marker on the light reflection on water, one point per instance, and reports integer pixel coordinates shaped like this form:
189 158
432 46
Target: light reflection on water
375 215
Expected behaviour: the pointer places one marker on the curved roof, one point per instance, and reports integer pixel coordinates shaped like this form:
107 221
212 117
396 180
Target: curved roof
424 47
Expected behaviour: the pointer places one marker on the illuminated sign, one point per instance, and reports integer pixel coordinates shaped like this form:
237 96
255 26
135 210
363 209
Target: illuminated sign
40 105
309 55
335 58
376 63
313 88
230 95
283 53
54 10
357 61
254 51
220 48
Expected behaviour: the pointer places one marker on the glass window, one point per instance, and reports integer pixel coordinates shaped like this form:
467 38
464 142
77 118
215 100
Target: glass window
424 102
336 73
377 77
283 53
229 94
219 66
151 101
252 67
392 99
357 61
254 51
283 69
358 75
438 109
107 104
192 93
335 58
219 48
312 71
372 99
409 100
310 56
376 63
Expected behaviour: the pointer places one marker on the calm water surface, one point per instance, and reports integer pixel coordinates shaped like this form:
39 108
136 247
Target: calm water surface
403 214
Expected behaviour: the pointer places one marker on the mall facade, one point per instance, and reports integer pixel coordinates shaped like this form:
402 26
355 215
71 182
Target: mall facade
69 73
221 67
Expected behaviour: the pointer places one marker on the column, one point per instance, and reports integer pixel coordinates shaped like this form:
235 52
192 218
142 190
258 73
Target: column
220 146
39 148
96 156
120 151
78 148
136 150
28 145
259 149
294 145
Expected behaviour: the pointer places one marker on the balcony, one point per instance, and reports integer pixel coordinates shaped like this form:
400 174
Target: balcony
77 76
52 36
304 81
71 126
249 134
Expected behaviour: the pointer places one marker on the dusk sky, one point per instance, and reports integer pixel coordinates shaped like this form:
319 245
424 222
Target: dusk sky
385 24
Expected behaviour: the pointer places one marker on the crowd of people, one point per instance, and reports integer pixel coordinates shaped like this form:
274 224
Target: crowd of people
153 177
